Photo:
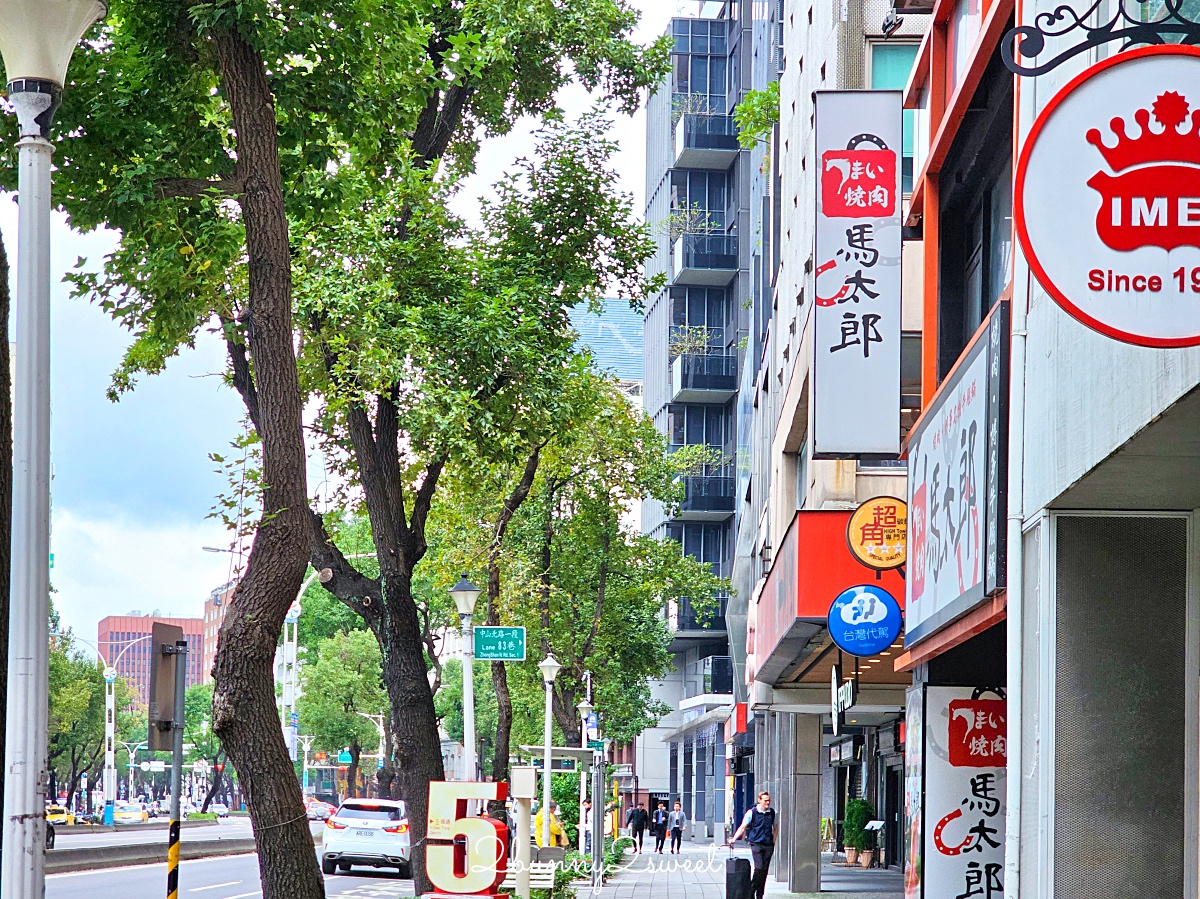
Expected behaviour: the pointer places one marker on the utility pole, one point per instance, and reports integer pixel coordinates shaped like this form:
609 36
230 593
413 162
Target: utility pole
181 652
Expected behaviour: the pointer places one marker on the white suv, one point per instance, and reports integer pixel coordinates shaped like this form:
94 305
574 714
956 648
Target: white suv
371 832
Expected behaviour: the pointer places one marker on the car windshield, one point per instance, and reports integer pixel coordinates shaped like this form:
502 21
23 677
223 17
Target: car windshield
129 808
371 812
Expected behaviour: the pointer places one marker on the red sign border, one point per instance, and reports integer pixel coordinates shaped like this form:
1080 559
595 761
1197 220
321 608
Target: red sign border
1019 198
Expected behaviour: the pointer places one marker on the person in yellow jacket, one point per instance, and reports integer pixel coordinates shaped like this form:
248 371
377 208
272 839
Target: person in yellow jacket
558 836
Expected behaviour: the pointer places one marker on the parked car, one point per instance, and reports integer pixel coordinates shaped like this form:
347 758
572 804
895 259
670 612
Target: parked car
130 813
59 814
219 809
369 832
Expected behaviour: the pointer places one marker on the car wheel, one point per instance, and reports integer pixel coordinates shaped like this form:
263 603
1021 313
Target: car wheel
328 866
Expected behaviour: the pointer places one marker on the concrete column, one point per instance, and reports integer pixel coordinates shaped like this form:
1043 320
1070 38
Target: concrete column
720 799
803 851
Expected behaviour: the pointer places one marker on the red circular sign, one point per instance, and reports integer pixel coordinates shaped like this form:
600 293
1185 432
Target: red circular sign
1107 197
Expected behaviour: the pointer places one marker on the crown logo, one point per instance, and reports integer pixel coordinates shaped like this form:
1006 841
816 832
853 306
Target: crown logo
1168 145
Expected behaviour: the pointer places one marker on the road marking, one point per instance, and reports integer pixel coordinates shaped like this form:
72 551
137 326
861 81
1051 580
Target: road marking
215 886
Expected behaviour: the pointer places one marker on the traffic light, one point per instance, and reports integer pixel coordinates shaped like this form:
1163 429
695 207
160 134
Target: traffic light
220 766
162 686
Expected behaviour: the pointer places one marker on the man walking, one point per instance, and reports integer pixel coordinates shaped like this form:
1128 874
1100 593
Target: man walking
760 829
676 822
637 819
659 821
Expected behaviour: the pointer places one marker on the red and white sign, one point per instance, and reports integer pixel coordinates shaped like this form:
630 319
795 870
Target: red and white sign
965 755
1107 203
856 322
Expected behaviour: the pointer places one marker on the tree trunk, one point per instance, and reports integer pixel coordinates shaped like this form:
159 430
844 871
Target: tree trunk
244 712
215 787
414 720
6 481
352 786
504 708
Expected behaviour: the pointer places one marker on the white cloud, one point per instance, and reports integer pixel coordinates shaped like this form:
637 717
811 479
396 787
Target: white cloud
110 566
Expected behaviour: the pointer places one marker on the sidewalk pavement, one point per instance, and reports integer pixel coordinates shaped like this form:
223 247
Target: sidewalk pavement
699 873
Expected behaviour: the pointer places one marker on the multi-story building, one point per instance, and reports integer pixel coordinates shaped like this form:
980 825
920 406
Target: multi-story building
1084 617
126 638
705 198
215 609
791 557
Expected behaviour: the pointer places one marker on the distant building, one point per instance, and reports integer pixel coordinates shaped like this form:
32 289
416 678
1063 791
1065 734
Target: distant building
614 337
116 632
215 609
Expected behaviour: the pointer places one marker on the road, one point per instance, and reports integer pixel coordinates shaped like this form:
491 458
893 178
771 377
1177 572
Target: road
233 877
233 828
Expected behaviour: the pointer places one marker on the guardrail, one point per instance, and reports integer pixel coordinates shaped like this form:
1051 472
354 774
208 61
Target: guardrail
62 861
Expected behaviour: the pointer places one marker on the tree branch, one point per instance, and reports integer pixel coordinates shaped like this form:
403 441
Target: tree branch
243 378
421 505
194 188
361 593
601 586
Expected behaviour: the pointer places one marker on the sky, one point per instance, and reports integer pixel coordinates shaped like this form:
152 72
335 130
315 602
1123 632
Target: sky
133 483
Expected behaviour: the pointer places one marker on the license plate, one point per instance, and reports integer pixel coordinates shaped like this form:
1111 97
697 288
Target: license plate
364 833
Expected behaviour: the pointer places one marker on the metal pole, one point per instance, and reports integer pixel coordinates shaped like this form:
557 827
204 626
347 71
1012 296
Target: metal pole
468 638
546 768
181 651
583 739
598 819
110 738
22 866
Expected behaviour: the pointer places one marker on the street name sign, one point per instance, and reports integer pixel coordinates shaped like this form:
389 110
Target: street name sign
499 644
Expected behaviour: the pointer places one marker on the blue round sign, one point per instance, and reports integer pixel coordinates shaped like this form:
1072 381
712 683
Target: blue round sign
865 620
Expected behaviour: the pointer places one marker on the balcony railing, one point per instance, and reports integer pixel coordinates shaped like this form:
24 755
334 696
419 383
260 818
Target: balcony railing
704 259
707 498
683 618
703 378
718 674
705 141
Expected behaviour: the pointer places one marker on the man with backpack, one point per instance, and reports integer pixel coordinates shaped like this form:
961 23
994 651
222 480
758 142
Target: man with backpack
760 829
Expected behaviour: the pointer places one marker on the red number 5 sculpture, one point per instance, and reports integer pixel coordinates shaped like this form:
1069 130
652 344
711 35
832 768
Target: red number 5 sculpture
464 856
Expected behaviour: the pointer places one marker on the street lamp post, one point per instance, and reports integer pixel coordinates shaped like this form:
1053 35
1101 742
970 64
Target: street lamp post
37 38
110 729
131 749
464 594
585 710
549 667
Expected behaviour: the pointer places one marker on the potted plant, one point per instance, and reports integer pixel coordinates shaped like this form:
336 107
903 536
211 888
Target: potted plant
856 837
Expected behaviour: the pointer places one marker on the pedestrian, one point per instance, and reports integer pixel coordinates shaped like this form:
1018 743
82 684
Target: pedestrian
585 824
558 835
676 822
659 822
637 819
760 829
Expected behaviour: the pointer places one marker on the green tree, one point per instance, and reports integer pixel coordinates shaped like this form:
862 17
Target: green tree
205 744
757 114
212 135
342 686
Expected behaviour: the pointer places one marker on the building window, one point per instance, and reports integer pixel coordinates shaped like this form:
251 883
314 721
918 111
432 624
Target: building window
697 424
694 308
703 541
701 198
699 61
975 217
891 66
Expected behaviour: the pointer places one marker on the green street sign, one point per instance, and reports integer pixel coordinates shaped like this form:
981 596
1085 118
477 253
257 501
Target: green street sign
596 744
499 644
